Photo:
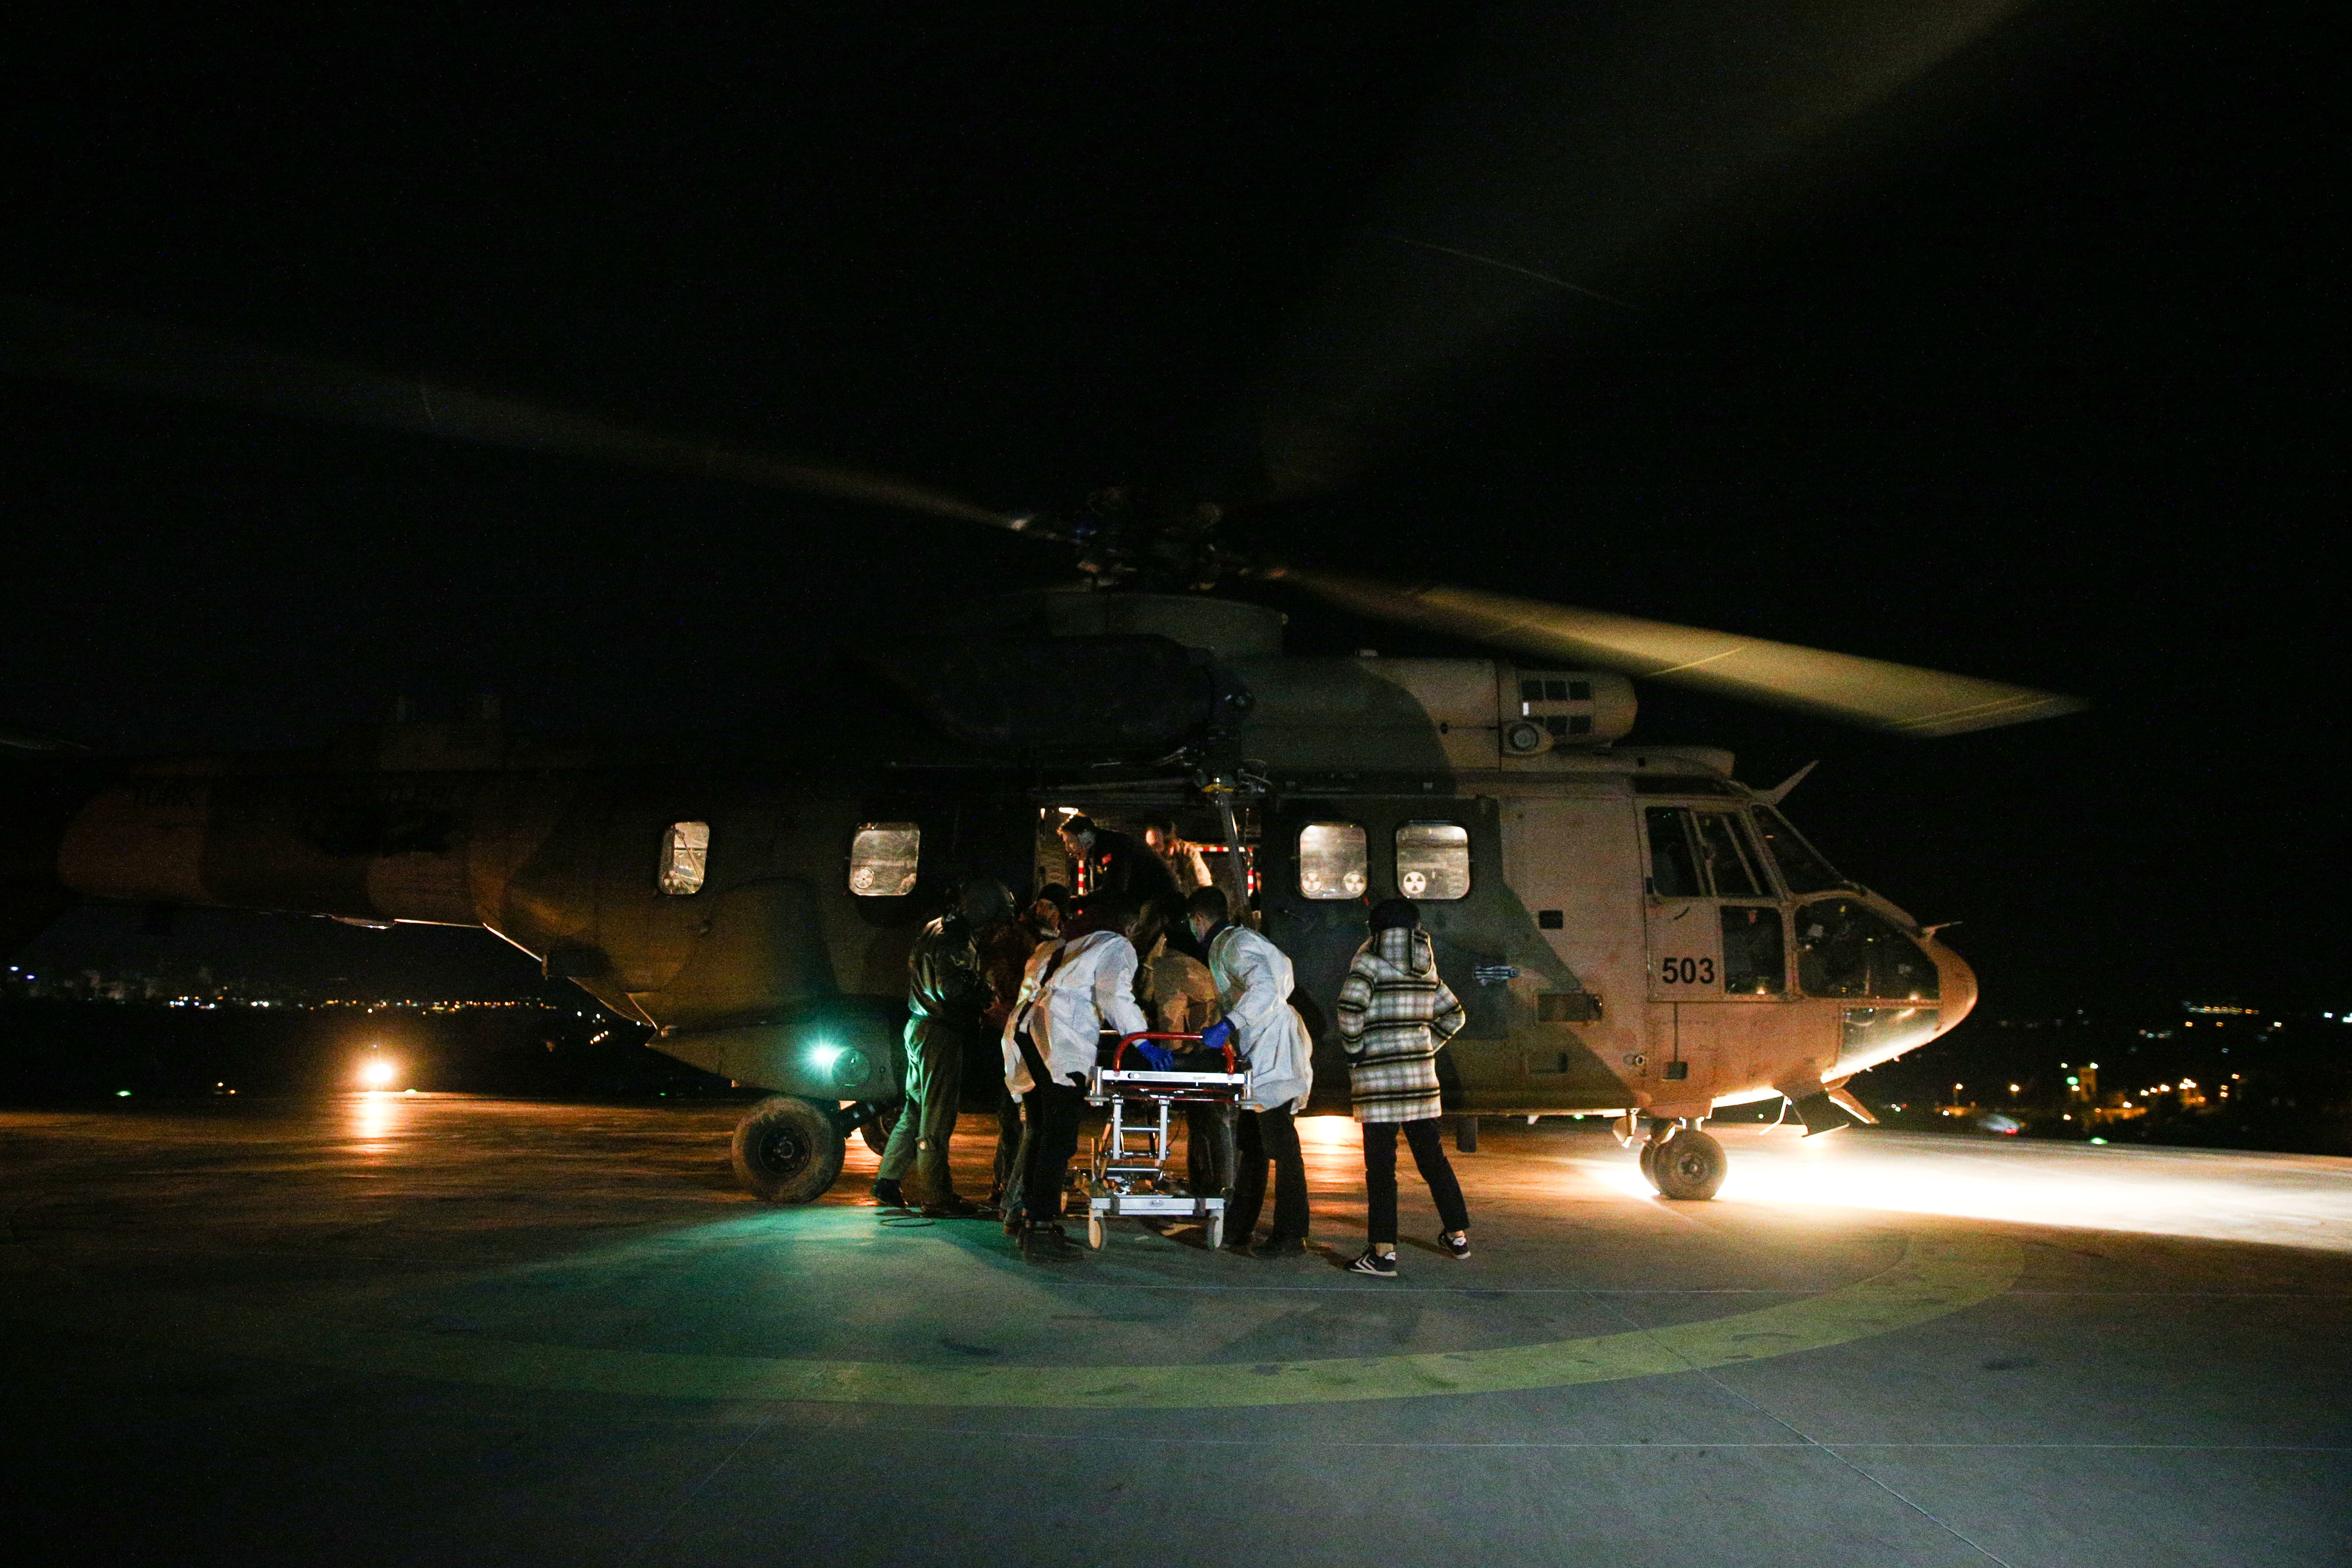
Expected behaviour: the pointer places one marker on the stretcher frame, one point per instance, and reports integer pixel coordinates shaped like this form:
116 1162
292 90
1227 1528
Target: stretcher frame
1128 1178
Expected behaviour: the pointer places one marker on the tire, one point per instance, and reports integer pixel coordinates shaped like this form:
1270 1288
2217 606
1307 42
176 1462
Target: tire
1650 1164
877 1132
1689 1167
1095 1231
1217 1230
788 1151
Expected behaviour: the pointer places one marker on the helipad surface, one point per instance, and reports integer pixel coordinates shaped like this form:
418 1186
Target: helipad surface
414 1329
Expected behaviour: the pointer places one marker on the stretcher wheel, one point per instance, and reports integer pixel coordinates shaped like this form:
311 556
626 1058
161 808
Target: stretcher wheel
1095 1231
1216 1231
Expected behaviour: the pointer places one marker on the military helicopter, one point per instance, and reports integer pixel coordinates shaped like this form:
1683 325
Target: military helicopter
1633 930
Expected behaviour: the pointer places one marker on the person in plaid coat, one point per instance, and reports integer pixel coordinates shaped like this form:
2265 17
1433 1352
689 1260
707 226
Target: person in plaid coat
1395 1014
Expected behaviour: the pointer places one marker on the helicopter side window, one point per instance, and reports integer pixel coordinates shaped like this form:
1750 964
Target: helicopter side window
1845 949
1755 961
1731 860
1434 860
882 859
686 856
1800 868
1674 862
1333 861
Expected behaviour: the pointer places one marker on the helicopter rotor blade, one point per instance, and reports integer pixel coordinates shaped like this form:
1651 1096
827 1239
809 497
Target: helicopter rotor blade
61 342
1899 699
1583 159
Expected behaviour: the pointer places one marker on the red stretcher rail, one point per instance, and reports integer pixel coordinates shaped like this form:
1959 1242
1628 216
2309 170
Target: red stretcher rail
1120 1055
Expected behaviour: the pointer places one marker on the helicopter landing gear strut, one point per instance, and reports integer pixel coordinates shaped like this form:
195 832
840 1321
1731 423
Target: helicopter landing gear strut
1677 1158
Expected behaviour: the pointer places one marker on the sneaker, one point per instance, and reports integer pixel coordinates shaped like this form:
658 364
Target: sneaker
951 1207
1379 1265
1455 1246
1279 1246
887 1194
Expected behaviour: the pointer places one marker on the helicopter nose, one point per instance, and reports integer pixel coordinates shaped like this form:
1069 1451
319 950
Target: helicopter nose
1958 984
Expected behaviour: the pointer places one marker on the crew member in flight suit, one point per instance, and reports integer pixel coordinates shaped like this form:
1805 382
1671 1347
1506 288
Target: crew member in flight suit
1254 986
1084 989
947 993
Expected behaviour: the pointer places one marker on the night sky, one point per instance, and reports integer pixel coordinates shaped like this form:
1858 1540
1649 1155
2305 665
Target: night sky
2027 377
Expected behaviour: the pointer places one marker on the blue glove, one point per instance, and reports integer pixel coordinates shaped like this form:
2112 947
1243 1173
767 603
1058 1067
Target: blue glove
1162 1059
1217 1036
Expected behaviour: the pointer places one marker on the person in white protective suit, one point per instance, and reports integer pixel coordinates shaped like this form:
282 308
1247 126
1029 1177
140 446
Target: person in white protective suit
1079 990
1269 1040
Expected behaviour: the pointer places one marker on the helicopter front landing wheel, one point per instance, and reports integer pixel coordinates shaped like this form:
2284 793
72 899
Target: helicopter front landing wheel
788 1151
1688 1167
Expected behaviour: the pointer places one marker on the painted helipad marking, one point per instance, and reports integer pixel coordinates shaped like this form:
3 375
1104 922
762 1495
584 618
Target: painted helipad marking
1937 1275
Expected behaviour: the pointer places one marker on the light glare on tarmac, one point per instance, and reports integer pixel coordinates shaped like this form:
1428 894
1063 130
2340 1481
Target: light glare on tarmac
2283 1199
564 1324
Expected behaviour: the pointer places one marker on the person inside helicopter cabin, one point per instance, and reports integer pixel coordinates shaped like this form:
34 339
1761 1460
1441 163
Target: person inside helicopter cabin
1183 858
1394 1015
1254 983
1108 861
947 995
1083 989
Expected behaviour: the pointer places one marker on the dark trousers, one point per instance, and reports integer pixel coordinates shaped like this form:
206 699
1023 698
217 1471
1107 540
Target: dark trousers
1264 1135
928 1119
1209 1141
1006 1192
1428 1155
1053 1109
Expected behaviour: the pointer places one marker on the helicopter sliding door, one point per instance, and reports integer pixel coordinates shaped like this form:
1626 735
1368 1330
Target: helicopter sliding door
1577 1001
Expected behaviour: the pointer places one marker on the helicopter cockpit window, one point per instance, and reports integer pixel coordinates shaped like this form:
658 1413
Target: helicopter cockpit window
1731 860
1434 860
1845 949
1333 861
1755 963
686 856
1674 859
882 859
1800 868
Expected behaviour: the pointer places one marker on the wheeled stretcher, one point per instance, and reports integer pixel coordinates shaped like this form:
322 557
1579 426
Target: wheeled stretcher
1129 1175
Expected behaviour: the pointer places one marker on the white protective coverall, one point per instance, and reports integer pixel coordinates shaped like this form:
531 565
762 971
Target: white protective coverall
1067 1006
1253 984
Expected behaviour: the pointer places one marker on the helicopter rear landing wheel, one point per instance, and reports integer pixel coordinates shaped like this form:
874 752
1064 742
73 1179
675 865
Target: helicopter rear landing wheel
1095 1231
876 1130
788 1151
1689 1167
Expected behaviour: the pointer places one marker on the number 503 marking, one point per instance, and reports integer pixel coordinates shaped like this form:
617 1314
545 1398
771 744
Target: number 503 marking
1686 971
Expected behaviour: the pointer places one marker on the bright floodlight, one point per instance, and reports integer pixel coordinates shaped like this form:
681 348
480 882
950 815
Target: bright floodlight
378 1071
